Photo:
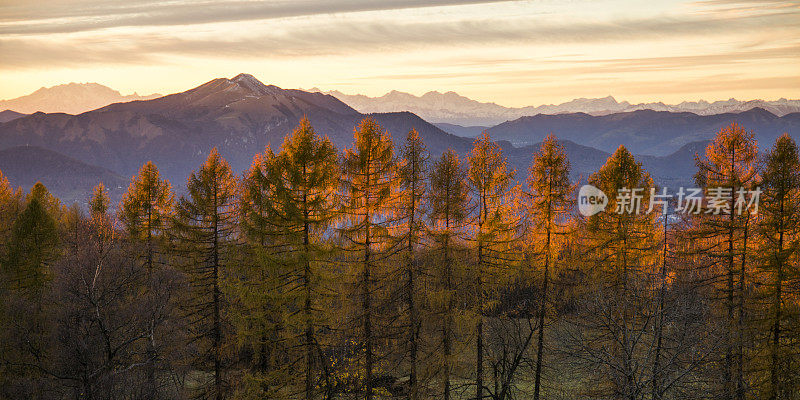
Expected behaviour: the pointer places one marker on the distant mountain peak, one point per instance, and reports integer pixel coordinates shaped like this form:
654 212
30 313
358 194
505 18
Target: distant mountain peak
760 111
9 115
70 98
249 82
452 108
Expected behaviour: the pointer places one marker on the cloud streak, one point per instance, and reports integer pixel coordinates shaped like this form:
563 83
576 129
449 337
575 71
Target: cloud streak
418 43
30 18
344 37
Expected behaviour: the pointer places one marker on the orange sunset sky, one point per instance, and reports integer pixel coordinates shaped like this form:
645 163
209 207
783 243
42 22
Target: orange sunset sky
511 52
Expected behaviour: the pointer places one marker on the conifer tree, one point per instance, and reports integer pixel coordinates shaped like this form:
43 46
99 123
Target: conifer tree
780 228
98 209
449 202
412 171
490 181
98 205
729 166
31 245
206 222
259 288
145 212
299 186
549 203
34 241
369 181
51 204
621 247
10 207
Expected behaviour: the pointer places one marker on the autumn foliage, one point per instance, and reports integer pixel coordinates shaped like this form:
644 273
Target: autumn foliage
384 271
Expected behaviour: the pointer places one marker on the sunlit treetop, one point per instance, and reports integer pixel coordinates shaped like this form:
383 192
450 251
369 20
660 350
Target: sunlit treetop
549 186
730 160
148 204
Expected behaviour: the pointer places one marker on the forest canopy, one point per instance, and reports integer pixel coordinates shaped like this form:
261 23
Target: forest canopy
383 271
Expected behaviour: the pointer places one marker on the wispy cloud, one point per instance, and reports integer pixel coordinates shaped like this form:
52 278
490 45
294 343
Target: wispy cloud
27 17
346 37
414 43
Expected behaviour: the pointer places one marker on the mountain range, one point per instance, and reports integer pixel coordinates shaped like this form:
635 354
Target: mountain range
8 115
452 108
71 98
644 131
241 116
70 179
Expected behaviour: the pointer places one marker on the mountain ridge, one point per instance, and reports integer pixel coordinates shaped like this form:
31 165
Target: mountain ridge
642 131
240 116
70 179
452 108
70 98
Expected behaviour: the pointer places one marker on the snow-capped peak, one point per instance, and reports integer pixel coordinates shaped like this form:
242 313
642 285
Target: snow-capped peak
250 83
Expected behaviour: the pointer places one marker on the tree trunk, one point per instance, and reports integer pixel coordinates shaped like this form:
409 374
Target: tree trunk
728 373
367 304
479 329
217 328
412 310
776 326
482 214
307 311
660 320
150 351
542 310
740 389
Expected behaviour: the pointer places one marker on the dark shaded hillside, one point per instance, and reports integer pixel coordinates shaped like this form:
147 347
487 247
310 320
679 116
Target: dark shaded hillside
9 115
644 131
583 160
676 169
463 131
437 141
673 170
240 116
69 179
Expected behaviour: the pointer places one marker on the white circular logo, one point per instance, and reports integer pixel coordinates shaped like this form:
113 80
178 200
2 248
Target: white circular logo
591 200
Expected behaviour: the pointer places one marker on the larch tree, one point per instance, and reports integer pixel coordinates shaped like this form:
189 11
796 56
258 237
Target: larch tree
26 269
34 240
51 203
301 206
449 203
549 204
620 250
490 182
369 180
258 285
780 230
10 207
730 165
206 223
101 221
306 203
145 212
98 205
412 176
